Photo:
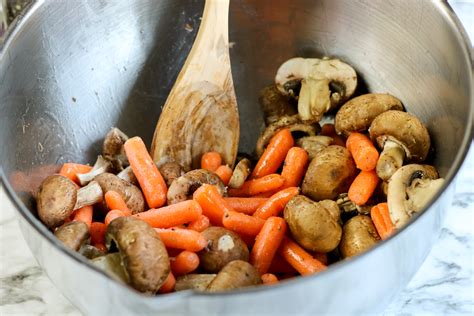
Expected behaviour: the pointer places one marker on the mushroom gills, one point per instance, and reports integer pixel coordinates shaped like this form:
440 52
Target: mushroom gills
349 209
112 265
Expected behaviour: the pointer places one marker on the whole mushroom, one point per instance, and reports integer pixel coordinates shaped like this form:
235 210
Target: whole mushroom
113 150
402 136
170 171
240 174
58 197
329 173
143 255
357 114
236 274
314 144
358 235
274 104
409 190
314 225
73 234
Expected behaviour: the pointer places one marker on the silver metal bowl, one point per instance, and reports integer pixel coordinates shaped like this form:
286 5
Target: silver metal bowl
70 70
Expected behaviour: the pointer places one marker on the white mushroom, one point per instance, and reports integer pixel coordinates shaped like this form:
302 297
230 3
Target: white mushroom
410 188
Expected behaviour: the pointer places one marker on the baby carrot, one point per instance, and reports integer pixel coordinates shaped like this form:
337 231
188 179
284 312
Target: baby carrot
363 151
281 266
184 263
363 187
97 232
181 238
321 257
200 224
276 203
148 175
115 201
264 184
297 257
211 161
382 221
71 170
269 278
267 242
274 154
212 203
245 205
294 167
171 215
168 285
100 247
242 223
330 130
84 214
225 173
111 215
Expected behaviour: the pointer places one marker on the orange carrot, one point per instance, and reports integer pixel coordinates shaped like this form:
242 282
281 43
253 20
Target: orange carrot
225 173
321 257
363 187
363 151
275 204
184 263
294 167
111 215
182 238
245 205
296 256
148 175
97 232
115 201
200 224
211 161
269 278
71 170
382 221
248 240
84 214
168 285
264 184
212 203
242 223
267 242
100 247
171 215
274 154
280 265
330 130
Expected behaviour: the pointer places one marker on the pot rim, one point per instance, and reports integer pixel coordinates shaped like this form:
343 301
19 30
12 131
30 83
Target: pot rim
452 21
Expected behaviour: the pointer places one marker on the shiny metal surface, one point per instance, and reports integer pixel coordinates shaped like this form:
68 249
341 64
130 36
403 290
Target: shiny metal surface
72 69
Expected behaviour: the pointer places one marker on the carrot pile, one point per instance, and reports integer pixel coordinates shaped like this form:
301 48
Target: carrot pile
254 211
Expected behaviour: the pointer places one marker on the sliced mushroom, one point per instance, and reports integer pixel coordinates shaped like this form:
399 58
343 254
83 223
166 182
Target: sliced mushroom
314 144
128 175
112 264
409 190
113 150
58 197
101 165
330 173
325 84
293 123
402 136
358 235
73 234
130 193
143 255
314 225
275 105
197 282
240 174
183 187
357 114
170 171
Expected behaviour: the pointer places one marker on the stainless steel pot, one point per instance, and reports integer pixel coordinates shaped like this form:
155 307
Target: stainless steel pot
70 70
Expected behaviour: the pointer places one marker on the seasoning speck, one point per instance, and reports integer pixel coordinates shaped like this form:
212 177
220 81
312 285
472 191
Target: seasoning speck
74 99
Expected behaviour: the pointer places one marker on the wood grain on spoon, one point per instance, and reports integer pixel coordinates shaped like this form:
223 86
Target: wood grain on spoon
200 114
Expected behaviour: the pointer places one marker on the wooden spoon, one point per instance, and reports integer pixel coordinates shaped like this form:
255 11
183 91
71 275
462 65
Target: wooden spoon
200 114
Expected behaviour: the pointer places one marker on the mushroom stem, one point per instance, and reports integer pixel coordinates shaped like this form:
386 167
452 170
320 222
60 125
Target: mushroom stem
101 165
390 160
88 195
128 175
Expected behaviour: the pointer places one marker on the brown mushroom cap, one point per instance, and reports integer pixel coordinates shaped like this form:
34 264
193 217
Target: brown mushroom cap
275 105
357 114
56 198
330 173
404 128
236 274
73 234
170 171
358 235
223 246
113 150
315 226
197 282
129 192
143 254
